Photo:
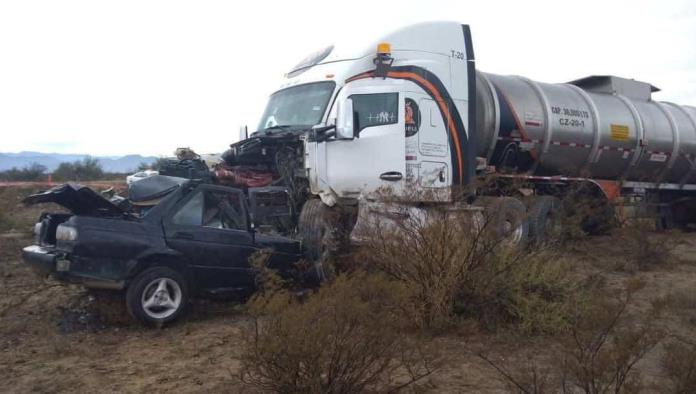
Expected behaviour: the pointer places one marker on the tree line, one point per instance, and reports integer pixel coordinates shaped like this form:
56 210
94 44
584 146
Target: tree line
87 169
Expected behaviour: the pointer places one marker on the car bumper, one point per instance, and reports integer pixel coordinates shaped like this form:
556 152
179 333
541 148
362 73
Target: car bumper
47 261
41 259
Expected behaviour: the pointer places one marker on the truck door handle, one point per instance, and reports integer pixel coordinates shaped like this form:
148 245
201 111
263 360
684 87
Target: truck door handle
391 176
182 235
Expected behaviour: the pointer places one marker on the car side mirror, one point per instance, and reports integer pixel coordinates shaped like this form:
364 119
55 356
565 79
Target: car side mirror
243 133
345 129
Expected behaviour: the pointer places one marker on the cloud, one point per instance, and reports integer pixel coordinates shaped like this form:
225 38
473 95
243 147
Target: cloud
146 77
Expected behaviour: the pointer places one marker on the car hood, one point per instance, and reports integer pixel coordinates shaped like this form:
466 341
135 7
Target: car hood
79 199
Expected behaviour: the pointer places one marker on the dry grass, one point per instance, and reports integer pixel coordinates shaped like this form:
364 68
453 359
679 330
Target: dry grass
681 303
13 219
679 364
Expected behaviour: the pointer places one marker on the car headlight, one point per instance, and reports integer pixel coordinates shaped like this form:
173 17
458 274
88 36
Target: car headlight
66 233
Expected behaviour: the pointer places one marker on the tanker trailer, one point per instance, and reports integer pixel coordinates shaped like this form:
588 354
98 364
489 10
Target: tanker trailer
601 127
606 131
411 112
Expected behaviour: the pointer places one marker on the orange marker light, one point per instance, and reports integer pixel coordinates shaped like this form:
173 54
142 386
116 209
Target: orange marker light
383 48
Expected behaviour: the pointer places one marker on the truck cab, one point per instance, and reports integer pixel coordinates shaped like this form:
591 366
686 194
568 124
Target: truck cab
395 115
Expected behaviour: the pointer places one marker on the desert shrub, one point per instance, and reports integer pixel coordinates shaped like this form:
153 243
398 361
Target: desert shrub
596 355
644 248
679 366
455 266
533 291
29 173
351 336
604 344
88 169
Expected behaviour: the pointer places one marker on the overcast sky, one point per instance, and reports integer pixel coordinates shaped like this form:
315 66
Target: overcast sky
118 77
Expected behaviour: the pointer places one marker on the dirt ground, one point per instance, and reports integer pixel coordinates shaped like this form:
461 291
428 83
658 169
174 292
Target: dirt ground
57 338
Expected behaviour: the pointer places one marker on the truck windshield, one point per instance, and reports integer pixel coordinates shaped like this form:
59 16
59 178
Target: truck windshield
297 107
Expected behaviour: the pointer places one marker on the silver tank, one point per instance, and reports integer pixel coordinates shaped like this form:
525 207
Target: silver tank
602 127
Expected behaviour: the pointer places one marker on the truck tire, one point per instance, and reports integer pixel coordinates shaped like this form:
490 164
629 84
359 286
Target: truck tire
318 227
545 216
508 221
157 296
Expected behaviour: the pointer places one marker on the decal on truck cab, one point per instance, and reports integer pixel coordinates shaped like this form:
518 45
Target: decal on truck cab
412 117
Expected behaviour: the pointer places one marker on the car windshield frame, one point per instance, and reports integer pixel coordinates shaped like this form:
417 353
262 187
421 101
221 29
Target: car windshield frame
291 96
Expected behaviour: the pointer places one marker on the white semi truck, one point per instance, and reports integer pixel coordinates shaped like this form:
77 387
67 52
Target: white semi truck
412 113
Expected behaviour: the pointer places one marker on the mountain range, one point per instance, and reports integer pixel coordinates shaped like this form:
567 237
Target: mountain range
119 164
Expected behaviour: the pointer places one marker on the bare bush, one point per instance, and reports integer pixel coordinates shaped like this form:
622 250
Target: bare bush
679 365
597 354
351 336
644 248
604 345
526 378
454 264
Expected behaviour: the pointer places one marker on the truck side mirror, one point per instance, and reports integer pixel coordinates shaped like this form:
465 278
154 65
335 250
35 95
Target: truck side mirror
243 133
345 129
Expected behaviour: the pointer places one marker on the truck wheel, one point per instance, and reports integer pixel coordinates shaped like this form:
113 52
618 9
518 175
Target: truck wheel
508 221
544 219
318 228
157 296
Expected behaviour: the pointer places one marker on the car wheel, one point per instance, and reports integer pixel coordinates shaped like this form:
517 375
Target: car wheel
157 296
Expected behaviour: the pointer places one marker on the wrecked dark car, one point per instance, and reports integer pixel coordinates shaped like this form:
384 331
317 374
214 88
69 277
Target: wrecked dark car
195 238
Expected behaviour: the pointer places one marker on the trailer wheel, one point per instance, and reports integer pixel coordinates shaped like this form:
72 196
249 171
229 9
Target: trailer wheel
508 221
157 296
545 219
319 230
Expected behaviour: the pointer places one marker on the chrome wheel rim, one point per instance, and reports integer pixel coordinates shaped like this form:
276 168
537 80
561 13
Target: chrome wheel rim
161 298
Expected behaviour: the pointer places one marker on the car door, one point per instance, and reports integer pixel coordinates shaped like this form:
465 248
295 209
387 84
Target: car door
210 227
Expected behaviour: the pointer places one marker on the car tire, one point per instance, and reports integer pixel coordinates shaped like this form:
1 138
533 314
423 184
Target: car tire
545 219
318 228
157 296
508 221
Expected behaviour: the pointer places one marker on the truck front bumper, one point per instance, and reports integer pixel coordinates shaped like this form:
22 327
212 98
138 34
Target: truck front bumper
47 261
